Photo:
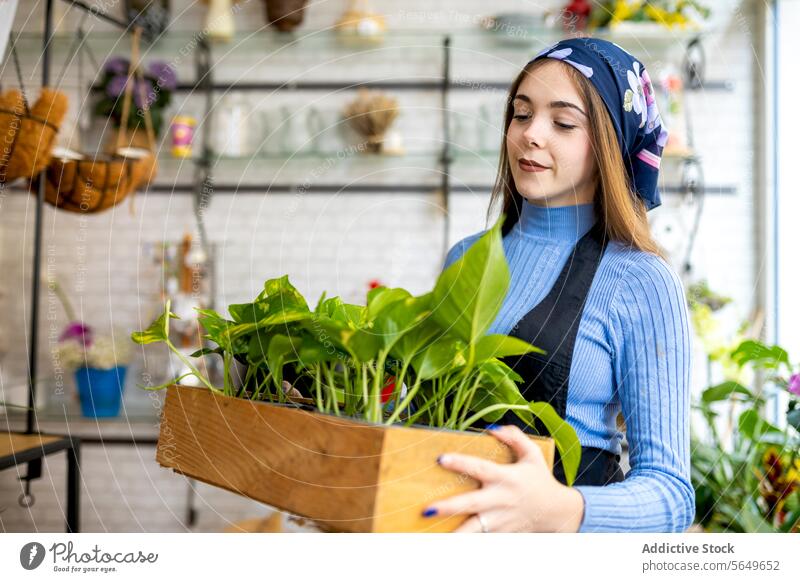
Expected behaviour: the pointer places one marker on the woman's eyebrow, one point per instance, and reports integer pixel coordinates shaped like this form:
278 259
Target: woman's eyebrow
553 104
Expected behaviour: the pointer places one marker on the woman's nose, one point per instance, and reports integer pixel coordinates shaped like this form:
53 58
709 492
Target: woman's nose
536 131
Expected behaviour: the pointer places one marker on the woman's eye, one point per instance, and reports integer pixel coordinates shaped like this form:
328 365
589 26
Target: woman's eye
521 116
564 125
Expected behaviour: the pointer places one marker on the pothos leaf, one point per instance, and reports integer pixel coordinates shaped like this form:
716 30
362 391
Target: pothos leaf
158 330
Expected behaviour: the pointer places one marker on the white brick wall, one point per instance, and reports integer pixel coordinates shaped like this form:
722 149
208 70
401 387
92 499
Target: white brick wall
326 242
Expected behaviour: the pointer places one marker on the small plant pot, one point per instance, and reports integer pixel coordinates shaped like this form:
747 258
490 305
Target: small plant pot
100 391
342 473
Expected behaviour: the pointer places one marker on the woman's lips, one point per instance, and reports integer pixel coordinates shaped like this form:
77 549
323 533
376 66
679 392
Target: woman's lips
526 166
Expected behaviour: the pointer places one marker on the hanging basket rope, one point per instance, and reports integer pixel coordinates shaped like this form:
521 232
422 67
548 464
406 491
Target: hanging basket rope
27 133
88 184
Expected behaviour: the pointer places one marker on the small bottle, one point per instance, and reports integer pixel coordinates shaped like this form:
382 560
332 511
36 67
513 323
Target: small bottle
182 136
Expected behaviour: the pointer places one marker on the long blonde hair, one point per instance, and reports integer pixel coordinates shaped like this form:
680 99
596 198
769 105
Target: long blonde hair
621 212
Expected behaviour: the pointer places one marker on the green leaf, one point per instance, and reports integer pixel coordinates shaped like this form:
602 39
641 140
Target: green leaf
206 352
498 386
320 304
566 439
239 330
501 346
218 330
313 352
442 356
791 519
158 330
363 344
469 293
249 312
760 355
281 295
754 427
257 347
723 392
405 327
380 298
282 349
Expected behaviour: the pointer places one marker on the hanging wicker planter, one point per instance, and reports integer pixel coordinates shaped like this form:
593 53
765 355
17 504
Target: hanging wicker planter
27 133
84 183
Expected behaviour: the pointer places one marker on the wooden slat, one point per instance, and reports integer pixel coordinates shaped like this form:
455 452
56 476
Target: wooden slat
15 443
343 474
314 465
411 479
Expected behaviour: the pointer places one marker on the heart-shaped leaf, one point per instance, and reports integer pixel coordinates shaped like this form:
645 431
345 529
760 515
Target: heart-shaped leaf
469 293
158 330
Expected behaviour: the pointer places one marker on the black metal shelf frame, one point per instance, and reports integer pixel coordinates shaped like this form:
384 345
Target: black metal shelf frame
203 185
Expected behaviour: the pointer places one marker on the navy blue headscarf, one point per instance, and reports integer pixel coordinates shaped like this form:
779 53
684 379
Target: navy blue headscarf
626 89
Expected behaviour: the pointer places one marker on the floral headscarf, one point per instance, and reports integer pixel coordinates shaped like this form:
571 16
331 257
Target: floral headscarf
626 89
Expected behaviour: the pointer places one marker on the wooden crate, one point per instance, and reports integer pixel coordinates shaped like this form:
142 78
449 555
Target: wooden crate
344 474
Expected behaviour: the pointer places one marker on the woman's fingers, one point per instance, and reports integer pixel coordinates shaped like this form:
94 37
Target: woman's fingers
474 467
466 503
470 525
523 447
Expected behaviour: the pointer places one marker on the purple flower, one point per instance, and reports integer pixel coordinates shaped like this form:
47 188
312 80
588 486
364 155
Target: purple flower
117 66
116 86
794 384
78 331
163 74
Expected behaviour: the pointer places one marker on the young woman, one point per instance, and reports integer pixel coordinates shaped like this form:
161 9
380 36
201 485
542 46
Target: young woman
578 172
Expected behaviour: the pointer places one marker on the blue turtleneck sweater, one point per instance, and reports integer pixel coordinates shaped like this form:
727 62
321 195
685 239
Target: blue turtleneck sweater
632 353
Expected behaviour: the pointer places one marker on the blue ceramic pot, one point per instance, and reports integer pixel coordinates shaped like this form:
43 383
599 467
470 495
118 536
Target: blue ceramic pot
100 390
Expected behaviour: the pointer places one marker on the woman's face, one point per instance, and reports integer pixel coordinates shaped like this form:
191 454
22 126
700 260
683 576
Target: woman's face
550 127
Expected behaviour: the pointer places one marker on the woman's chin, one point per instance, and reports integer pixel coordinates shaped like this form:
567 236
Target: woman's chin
533 190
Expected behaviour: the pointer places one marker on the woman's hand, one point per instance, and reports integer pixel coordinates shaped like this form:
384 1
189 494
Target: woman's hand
519 497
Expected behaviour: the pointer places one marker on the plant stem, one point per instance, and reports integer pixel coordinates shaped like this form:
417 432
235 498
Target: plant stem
422 409
318 387
53 284
348 400
247 377
458 400
406 401
377 386
489 409
398 387
364 388
332 384
470 395
264 385
194 370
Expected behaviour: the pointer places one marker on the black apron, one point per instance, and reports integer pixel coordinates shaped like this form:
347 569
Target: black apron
553 326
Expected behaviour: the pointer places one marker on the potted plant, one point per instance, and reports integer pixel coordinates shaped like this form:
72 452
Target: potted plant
99 363
638 16
385 388
152 92
750 481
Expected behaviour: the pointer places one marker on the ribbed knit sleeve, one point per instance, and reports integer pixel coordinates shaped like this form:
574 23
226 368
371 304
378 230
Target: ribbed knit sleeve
460 248
652 351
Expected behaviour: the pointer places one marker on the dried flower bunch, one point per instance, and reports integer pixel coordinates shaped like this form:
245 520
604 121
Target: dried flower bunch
371 114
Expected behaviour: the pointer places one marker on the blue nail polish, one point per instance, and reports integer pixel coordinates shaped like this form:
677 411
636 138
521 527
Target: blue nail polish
493 427
430 512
